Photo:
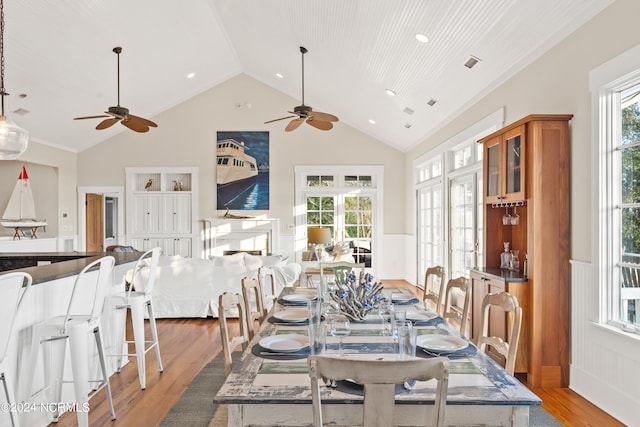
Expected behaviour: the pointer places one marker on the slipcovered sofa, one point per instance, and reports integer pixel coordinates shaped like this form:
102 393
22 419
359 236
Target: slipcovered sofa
189 287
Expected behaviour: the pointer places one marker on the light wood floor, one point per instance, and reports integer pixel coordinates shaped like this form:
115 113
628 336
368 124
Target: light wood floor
187 345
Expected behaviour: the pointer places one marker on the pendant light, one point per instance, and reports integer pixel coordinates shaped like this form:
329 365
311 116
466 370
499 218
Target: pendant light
13 139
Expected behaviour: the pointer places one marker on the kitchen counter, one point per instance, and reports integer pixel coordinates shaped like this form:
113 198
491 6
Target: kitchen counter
62 264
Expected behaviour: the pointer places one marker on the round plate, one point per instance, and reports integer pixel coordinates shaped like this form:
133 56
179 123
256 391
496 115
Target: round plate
441 343
292 315
285 342
297 298
420 315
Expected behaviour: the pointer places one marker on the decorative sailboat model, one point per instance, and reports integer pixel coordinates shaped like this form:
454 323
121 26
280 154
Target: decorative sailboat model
20 213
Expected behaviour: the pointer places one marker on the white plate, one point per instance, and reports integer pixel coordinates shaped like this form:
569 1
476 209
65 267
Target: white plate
297 298
285 342
292 315
420 315
441 343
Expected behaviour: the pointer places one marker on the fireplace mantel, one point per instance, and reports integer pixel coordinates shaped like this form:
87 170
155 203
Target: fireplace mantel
228 234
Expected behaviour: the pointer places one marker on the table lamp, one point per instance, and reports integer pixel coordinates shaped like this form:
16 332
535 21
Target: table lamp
319 237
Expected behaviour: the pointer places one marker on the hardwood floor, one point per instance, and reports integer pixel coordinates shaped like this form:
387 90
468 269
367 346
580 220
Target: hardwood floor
187 345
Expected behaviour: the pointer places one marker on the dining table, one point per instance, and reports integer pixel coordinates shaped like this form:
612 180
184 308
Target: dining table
270 386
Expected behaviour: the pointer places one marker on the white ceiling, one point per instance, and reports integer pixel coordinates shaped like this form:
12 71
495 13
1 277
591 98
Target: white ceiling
59 53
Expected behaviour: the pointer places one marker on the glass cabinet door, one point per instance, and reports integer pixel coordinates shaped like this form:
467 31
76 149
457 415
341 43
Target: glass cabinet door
492 155
514 164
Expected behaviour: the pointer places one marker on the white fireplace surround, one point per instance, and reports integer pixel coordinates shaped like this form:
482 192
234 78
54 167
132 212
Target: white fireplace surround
227 234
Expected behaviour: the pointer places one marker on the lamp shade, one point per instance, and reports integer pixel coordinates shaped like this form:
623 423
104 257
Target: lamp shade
319 236
13 139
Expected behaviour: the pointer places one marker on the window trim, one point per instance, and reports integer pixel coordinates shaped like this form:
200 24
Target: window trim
606 82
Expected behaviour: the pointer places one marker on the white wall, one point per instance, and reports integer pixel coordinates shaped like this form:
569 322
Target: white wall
605 366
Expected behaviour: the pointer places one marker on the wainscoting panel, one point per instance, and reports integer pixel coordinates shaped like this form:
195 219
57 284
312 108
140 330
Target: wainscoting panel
605 363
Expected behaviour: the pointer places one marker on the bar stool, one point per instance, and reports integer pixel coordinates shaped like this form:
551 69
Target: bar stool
136 298
79 320
14 287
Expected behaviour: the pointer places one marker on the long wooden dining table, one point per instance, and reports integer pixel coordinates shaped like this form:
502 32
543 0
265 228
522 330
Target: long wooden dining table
272 388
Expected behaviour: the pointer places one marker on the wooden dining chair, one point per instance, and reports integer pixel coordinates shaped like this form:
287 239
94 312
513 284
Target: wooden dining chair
434 286
227 302
512 309
379 378
253 303
455 310
267 280
339 270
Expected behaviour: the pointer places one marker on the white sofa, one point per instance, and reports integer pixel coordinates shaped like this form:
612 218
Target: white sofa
189 287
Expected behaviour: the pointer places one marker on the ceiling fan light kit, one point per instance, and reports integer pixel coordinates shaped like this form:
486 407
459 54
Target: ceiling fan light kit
119 113
304 113
13 139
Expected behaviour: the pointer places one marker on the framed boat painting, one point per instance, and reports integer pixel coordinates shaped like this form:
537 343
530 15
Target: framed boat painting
242 170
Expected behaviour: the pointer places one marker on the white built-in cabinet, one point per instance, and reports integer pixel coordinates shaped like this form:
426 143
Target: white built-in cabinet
161 209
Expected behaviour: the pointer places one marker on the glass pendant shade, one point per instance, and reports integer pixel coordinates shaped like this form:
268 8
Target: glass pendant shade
13 139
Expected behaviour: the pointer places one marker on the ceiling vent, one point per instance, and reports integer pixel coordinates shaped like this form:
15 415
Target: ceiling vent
408 111
21 111
471 62
431 102
407 125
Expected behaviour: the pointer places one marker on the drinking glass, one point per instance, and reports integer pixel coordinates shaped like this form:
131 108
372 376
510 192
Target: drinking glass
385 311
506 218
515 218
340 328
402 336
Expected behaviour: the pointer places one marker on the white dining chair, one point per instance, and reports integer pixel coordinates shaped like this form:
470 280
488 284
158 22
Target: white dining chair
74 326
252 297
267 280
508 349
138 298
434 284
14 287
379 379
227 303
453 309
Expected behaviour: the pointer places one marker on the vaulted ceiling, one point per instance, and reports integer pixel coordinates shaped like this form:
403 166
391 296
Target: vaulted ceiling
59 62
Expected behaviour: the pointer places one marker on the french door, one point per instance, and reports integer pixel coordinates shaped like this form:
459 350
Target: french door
465 224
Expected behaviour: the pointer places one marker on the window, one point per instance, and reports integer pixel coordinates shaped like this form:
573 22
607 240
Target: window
345 199
616 94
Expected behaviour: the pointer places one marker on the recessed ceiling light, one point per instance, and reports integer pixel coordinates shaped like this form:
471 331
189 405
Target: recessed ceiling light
390 92
373 122
280 76
407 125
422 38
191 75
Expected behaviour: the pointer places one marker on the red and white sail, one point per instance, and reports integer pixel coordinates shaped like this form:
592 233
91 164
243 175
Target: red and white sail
21 207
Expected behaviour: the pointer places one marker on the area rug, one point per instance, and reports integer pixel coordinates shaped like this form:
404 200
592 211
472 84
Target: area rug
196 408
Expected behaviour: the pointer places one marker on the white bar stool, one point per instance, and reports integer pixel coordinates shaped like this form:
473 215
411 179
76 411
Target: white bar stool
136 298
74 327
14 286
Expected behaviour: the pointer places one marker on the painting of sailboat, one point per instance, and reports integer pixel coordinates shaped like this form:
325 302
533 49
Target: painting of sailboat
242 170
20 213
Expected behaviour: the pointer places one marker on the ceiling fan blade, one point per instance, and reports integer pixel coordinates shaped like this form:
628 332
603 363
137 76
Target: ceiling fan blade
294 124
319 124
325 117
143 120
106 123
134 124
281 118
91 117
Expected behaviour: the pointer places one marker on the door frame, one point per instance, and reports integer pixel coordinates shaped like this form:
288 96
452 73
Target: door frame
110 191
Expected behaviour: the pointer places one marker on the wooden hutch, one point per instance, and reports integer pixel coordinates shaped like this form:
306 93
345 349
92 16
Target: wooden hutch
526 171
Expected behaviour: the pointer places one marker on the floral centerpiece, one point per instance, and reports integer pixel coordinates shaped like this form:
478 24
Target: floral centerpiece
356 299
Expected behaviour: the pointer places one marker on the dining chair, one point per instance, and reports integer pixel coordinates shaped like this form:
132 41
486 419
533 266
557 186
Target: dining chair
14 288
379 379
227 303
138 298
74 326
252 297
454 309
434 284
339 270
508 349
267 280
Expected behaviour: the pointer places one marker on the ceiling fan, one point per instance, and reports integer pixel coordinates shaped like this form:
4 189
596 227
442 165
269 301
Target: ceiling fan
303 112
121 114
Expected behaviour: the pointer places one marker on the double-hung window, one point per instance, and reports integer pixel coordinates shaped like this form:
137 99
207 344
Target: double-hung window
616 91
